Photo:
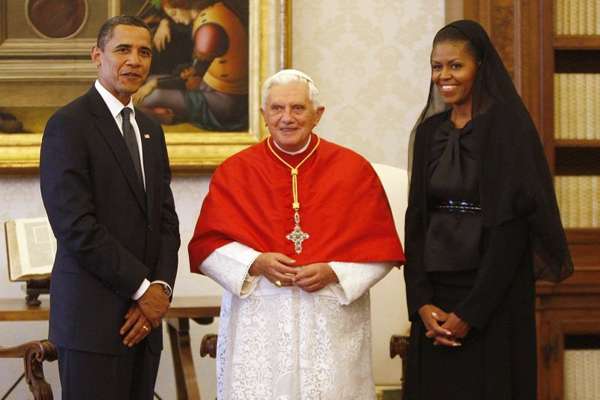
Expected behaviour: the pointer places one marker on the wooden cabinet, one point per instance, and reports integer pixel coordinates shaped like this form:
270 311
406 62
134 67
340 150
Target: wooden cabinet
524 34
571 309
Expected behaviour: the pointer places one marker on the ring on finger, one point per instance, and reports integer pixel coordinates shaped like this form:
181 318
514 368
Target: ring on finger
145 328
278 283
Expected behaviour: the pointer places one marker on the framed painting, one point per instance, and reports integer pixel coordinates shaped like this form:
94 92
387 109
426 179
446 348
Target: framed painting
209 107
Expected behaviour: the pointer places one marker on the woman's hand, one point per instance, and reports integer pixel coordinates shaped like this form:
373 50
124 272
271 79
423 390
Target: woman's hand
457 326
434 318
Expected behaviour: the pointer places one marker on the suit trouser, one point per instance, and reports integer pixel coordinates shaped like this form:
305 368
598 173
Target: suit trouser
95 376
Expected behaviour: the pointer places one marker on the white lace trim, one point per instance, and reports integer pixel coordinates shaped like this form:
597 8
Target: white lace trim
287 344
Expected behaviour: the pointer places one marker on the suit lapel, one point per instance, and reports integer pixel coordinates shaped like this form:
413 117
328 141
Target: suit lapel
150 161
109 130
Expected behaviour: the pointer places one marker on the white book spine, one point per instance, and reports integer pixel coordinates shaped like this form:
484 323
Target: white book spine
557 107
557 15
589 105
595 202
559 197
564 106
590 24
574 201
596 103
582 19
579 106
585 201
566 83
571 108
574 9
597 17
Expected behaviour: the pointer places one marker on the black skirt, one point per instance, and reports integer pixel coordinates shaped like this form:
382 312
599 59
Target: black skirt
496 363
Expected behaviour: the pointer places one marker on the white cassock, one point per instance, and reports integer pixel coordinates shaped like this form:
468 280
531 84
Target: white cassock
286 344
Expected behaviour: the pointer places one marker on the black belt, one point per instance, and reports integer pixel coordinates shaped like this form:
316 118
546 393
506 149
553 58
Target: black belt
459 206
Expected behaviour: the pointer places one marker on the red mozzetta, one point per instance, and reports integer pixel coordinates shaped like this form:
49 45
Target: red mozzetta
343 207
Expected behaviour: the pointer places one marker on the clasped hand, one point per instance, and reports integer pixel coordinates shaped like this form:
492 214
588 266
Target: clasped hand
444 328
280 270
144 315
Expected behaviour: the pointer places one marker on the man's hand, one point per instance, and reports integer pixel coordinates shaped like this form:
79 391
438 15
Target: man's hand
154 304
136 326
432 318
313 277
276 267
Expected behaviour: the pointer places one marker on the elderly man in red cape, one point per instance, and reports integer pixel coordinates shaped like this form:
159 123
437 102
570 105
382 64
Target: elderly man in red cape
297 230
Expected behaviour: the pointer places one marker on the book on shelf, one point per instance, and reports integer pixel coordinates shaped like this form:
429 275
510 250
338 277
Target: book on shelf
577 17
595 201
581 18
578 200
558 17
590 14
577 106
597 19
571 107
558 104
573 28
595 106
558 189
566 18
596 102
30 248
590 117
585 201
579 94
573 200
568 105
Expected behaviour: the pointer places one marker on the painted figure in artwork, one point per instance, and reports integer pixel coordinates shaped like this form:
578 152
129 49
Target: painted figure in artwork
200 72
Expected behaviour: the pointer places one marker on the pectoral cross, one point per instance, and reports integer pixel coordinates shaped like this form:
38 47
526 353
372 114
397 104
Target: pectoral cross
296 235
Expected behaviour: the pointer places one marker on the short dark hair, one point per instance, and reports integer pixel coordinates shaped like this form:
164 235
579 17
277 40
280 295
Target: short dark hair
107 28
451 34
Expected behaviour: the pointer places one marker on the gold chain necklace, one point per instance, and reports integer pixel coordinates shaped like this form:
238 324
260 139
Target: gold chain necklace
296 236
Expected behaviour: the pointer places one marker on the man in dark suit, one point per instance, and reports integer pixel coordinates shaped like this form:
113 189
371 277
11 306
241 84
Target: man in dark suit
105 183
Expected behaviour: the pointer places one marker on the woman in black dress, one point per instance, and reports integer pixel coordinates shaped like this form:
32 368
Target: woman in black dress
482 225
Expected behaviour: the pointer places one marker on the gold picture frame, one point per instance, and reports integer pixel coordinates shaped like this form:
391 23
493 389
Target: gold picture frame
32 66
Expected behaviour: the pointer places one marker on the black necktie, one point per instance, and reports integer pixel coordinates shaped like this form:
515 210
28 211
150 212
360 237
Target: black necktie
131 142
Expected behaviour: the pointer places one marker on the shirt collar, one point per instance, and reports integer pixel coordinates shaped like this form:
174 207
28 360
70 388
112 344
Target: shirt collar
114 105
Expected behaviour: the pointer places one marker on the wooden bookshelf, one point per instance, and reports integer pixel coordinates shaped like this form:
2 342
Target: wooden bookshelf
575 143
572 308
576 42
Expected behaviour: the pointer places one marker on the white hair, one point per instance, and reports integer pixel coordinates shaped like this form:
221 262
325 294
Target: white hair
286 76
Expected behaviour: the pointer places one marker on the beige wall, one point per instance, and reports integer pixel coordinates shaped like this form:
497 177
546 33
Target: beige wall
370 60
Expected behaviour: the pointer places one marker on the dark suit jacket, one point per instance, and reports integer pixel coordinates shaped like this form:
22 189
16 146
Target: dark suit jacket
111 234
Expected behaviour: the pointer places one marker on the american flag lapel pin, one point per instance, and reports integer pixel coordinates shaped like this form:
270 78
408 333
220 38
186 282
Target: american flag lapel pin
146 136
